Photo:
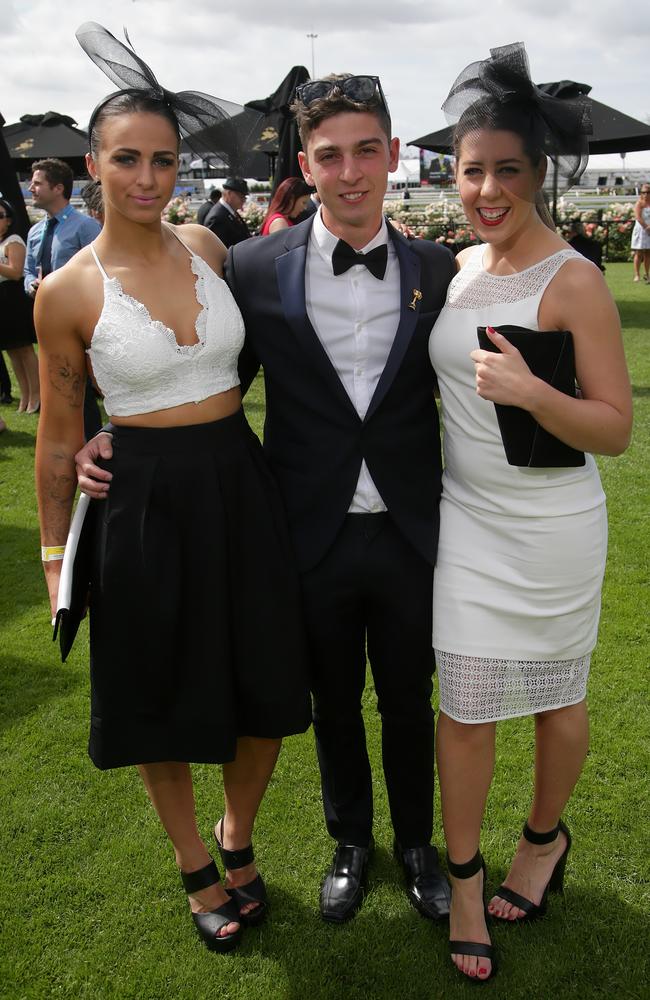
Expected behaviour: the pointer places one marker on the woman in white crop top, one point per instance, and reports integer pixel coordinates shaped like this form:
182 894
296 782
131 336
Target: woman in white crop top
196 641
522 551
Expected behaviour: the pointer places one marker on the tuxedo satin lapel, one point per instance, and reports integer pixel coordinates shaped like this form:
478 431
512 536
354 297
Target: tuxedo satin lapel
409 269
290 271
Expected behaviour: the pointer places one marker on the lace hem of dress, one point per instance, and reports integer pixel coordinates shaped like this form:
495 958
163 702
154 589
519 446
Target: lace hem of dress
476 689
475 288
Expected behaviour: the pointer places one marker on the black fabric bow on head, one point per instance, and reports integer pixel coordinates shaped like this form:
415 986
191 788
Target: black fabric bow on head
561 126
209 125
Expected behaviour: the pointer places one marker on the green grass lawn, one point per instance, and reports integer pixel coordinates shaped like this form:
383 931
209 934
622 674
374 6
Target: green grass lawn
91 905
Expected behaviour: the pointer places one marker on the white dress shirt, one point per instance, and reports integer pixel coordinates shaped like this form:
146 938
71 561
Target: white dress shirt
355 316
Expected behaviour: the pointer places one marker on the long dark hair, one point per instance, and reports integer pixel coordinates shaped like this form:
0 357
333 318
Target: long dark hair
11 215
507 116
286 195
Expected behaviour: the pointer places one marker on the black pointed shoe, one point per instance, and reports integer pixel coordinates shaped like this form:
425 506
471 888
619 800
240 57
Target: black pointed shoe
426 885
344 886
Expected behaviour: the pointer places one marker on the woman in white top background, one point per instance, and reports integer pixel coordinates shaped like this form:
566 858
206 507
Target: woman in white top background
195 630
522 550
640 243
16 322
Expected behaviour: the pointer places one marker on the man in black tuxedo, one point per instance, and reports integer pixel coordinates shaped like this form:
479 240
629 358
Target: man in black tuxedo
352 437
338 311
224 219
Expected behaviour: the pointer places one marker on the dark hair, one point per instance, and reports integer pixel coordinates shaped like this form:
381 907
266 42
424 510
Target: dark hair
215 195
91 194
11 215
309 117
128 103
286 195
507 116
56 172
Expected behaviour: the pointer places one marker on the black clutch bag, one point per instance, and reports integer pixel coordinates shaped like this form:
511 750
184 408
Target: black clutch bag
76 570
549 355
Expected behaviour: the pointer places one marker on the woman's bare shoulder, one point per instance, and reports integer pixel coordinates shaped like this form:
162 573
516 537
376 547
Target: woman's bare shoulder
203 242
71 289
463 256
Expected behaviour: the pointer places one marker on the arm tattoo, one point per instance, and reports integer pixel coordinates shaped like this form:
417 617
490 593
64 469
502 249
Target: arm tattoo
66 380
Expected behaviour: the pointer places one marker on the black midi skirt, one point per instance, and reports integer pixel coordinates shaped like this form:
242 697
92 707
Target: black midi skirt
196 631
16 316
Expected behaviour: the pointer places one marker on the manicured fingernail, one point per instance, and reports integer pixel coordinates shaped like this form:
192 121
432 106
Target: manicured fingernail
491 329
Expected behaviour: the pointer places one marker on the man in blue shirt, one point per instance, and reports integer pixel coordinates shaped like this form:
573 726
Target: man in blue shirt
57 237
54 240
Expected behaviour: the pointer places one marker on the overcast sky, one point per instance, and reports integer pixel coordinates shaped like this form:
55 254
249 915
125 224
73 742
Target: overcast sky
240 50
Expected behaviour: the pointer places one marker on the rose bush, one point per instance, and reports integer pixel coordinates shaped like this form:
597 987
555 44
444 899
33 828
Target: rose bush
444 222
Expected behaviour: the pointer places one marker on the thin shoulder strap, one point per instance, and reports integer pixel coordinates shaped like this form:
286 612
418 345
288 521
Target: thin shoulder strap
172 230
98 262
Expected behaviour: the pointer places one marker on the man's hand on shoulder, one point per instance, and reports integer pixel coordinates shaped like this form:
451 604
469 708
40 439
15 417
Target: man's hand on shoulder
92 479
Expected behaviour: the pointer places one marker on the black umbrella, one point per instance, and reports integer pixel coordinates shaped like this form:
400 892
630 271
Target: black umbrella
278 133
35 137
613 131
10 188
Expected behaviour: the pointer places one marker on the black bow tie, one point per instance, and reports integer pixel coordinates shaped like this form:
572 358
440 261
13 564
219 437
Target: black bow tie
345 257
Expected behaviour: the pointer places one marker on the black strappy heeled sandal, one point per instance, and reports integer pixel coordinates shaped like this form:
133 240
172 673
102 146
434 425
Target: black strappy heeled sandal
209 924
252 892
555 884
474 948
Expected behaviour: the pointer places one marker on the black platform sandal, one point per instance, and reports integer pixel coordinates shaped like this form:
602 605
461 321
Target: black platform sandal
252 892
209 924
474 948
555 884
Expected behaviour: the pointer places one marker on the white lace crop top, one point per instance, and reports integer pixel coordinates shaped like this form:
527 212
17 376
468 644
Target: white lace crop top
138 364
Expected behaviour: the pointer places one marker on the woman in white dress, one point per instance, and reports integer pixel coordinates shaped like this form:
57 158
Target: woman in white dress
522 550
641 234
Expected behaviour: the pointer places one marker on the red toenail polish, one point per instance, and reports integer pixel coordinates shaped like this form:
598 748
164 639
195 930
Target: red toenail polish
483 972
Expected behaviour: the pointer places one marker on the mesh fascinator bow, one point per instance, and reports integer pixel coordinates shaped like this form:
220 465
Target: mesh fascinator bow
561 127
208 125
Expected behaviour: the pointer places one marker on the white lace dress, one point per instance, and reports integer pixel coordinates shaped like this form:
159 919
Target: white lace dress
522 551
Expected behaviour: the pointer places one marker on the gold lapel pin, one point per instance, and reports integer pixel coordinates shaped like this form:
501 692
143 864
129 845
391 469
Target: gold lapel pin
417 295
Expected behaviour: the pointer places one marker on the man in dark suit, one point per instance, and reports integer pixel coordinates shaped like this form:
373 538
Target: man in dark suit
352 437
224 219
206 207
338 311
586 245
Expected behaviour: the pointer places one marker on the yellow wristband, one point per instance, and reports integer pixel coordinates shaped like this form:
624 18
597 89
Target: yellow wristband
51 553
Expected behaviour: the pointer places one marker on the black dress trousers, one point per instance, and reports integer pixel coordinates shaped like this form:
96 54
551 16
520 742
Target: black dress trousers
372 590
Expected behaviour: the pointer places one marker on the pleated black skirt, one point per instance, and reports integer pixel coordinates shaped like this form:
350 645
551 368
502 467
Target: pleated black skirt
196 631
16 316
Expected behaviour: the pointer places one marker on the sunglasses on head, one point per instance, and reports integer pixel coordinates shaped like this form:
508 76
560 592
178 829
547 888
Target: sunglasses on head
360 89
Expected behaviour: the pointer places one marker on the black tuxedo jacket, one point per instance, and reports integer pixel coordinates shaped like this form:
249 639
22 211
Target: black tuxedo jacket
313 437
230 229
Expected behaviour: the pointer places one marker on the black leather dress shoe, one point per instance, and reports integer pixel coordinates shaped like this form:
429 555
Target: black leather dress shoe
344 886
426 886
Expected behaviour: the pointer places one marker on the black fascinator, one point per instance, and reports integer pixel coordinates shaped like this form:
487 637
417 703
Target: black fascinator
488 93
209 125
